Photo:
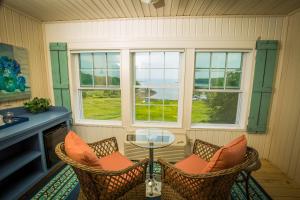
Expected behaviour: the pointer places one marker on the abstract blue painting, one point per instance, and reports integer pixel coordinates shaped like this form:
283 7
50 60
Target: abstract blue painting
14 73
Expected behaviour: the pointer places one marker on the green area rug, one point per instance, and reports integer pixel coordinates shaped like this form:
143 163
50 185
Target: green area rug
64 185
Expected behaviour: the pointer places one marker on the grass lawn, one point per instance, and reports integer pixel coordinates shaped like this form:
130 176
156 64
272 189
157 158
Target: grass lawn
200 112
110 109
157 113
102 108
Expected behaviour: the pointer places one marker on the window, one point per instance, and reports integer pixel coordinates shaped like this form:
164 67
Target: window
217 87
156 86
99 88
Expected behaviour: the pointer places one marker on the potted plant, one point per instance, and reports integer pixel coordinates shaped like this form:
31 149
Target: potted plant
37 105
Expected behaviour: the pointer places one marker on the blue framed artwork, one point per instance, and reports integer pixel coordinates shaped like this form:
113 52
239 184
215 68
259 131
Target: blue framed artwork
14 73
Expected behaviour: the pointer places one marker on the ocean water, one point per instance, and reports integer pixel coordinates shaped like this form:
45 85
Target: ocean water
162 93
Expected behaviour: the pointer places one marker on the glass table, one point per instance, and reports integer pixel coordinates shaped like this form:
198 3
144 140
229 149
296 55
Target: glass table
151 138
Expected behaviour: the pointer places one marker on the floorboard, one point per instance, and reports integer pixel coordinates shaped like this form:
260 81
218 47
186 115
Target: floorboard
276 183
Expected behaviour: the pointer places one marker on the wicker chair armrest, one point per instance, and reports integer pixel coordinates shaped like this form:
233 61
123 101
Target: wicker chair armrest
198 186
188 185
104 147
170 169
122 180
204 150
140 166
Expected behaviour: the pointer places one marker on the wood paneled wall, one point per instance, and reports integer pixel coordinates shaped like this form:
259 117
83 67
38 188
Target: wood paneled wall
21 30
236 32
185 30
285 141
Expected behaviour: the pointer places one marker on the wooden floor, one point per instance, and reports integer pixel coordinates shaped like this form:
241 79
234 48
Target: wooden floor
276 183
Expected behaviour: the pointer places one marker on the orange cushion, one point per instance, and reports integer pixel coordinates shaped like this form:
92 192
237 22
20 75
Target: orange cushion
79 151
114 162
228 156
192 164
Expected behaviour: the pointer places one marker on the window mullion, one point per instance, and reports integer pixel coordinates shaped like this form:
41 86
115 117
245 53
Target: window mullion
164 77
106 65
93 68
225 75
149 93
210 68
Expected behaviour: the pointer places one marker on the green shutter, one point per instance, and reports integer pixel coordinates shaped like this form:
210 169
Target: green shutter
266 56
60 76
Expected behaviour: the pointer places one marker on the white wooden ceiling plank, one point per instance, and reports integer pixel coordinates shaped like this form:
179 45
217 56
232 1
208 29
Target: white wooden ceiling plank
67 6
160 12
174 7
146 9
86 9
110 8
57 8
102 8
235 4
153 11
78 9
96 10
182 7
286 7
189 7
117 7
52 10
138 8
222 6
196 7
125 9
204 6
167 8
276 4
211 7
261 7
129 5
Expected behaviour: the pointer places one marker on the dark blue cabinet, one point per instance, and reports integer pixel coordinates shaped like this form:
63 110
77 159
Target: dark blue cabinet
22 153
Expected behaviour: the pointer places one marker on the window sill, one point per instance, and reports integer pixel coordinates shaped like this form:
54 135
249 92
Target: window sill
231 127
98 123
156 125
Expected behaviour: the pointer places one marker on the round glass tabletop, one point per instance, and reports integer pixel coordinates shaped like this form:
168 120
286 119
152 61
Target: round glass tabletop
151 138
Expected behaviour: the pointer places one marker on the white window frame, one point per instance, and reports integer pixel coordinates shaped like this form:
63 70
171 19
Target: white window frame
78 112
178 124
244 96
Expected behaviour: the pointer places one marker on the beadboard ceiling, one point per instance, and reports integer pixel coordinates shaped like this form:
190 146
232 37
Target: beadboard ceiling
57 10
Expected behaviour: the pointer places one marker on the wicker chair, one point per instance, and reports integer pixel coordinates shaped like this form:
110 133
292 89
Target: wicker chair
178 185
99 184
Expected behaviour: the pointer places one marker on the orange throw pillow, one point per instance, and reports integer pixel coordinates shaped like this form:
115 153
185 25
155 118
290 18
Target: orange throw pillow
228 156
114 162
192 164
79 151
